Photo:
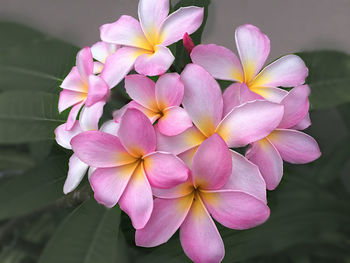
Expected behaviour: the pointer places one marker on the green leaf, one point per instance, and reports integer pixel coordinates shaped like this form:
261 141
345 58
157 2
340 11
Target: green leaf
28 116
34 189
31 60
88 235
11 159
329 77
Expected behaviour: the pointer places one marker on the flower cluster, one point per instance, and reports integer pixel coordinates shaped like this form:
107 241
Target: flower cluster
167 158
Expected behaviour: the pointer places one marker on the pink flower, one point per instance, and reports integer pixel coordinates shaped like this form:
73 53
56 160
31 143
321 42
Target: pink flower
77 168
145 42
203 102
159 101
128 165
81 87
286 143
101 51
253 48
237 202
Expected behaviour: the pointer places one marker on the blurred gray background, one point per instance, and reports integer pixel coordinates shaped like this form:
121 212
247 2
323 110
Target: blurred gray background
292 25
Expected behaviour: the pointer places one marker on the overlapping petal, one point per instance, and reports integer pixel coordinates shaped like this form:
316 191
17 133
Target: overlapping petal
119 64
235 209
199 236
184 20
250 122
109 183
206 173
99 149
142 90
125 31
174 121
288 71
152 14
253 47
219 61
267 158
90 116
85 63
164 170
167 216
137 199
202 98
98 90
169 90
136 133
295 146
154 63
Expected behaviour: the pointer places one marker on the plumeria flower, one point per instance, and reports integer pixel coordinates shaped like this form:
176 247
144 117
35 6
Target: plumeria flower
77 168
83 89
100 52
253 47
285 143
145 42
203 102
211 191
160 101
128 165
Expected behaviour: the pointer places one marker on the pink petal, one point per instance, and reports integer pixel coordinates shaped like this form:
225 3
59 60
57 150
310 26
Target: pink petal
152 116
85 63
186 19
177 144
98 90
142 90
68 98
169 90
237 94
119 64
137 199
110 127
174 121
271 94
165 170
219 61
202 99
167 216
152 14
63 136
155 63
77 170
199 236
101 50
303 124
178 191
125 31
253 47
74 82
188 155
99 149
235 209
267 158
288 71
136 133
295 146
246 177
296 106
73 115
250 122
90 116
109 183
212 163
